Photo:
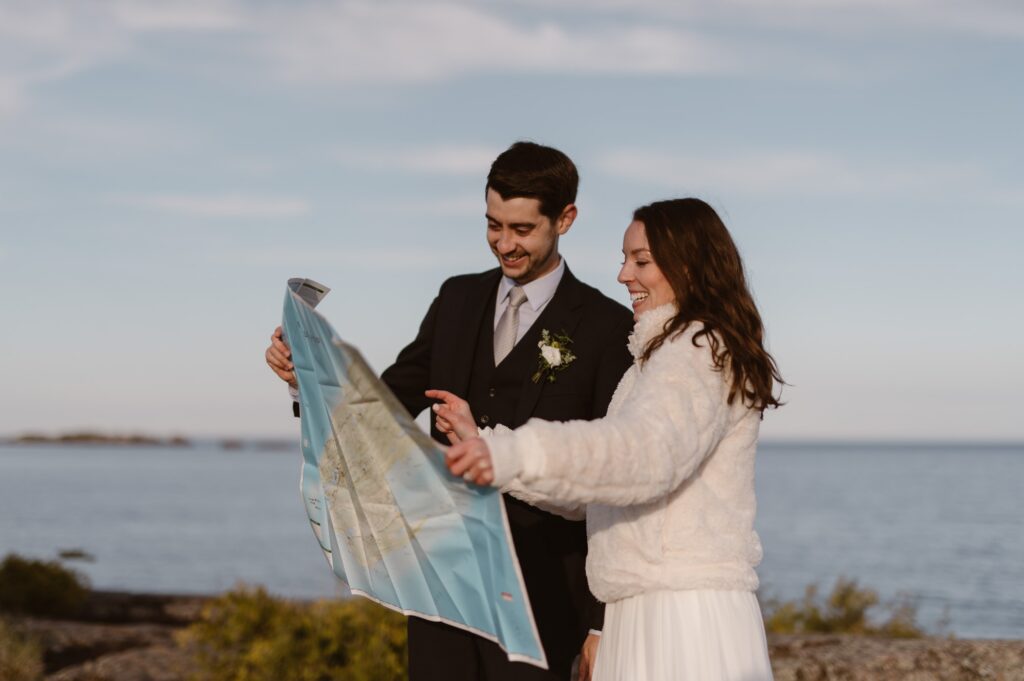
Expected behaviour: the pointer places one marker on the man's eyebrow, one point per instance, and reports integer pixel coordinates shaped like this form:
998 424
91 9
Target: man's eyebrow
513 225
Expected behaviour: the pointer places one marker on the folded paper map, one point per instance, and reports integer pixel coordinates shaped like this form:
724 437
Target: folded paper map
394 524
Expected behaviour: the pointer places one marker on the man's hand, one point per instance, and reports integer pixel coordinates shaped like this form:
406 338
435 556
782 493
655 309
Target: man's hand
472 460
279 358
588 655
454 418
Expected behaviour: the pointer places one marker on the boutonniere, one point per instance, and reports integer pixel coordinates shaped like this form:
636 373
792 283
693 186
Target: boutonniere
555 355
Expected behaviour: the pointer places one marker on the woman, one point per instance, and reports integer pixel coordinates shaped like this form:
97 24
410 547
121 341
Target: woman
667 477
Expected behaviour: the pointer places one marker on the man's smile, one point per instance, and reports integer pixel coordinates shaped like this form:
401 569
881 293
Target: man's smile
514 259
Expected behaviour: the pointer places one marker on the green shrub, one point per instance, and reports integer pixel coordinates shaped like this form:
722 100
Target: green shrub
247 635
41 588
20 658
845 611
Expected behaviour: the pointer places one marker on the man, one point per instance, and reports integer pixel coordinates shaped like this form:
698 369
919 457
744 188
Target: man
479 340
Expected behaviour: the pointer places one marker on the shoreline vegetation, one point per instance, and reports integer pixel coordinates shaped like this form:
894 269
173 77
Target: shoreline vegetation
54 627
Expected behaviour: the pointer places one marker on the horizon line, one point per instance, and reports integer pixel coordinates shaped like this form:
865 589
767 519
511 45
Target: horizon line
785 441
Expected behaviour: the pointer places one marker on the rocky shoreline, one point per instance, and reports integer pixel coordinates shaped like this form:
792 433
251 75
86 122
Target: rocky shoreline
866 658
117 637
131 637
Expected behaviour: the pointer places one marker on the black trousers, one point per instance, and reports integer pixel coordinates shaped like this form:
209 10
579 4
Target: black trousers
439 652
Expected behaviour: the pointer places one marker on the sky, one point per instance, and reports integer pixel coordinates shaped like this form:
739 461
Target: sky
165 167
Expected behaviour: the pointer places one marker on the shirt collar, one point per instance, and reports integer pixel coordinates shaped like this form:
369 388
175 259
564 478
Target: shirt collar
539 291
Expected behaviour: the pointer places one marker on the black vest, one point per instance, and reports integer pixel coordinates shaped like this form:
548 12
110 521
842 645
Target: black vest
494 391
551 549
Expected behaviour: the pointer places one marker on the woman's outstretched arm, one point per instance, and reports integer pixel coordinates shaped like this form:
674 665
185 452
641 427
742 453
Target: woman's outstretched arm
675 416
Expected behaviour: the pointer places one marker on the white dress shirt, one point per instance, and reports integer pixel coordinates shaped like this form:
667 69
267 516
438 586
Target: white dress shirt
539 293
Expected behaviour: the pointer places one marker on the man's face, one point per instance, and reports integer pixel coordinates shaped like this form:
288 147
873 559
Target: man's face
524 241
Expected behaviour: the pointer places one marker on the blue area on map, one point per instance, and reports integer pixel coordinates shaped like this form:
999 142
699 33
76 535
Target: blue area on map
394 524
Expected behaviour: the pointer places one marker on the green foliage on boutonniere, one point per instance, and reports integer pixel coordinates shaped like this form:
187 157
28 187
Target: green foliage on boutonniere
555 355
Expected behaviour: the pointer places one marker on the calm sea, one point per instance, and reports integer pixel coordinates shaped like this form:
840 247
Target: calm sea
943 525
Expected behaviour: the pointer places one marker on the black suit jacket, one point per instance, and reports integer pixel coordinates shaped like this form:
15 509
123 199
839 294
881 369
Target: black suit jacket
442 356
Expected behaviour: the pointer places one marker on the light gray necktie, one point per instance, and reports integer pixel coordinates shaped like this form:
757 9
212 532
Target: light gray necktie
508 326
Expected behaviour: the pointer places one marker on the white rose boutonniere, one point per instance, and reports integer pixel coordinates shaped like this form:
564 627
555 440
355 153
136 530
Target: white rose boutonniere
555 355
552 355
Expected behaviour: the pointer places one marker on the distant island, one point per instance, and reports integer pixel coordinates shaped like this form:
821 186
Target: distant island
93 438
89 437
288 445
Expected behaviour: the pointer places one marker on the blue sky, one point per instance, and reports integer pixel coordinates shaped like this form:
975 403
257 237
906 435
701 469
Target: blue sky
165 167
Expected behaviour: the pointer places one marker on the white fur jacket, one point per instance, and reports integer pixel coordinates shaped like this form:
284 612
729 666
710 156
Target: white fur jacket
666 478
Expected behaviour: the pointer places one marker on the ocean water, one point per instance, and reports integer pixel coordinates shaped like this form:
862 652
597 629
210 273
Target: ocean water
941 525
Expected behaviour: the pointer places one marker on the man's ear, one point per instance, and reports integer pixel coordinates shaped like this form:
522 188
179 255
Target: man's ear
566 219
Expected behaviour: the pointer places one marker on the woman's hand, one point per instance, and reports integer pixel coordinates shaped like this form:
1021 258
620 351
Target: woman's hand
454 418
472 460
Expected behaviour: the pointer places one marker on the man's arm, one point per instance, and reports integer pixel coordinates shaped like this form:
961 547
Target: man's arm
409 377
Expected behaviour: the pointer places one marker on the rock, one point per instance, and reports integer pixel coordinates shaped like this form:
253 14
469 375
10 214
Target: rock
67 644
794 658
155 663
120 607
131 637
117 637
862 658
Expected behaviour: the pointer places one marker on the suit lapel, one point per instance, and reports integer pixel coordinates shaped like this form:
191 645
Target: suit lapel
562 315
463 337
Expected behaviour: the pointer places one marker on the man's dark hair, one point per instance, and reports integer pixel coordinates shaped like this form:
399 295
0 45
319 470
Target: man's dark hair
534 171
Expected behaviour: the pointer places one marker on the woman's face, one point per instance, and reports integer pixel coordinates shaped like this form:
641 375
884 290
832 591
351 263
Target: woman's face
648 287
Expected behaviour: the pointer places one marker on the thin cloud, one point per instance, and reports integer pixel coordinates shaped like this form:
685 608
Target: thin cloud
783 172
347 42
92 136
344 42
471 161
229 206
469 206
11 98
204 15
48 40
997 18
39 44
376 259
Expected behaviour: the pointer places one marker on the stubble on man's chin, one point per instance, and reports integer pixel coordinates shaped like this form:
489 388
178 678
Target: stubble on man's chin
524 278
537 272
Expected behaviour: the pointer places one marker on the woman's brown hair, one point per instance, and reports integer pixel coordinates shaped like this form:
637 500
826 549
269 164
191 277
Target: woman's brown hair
698 257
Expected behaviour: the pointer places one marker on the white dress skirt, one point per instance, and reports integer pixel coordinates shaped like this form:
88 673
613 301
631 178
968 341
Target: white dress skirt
699 635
